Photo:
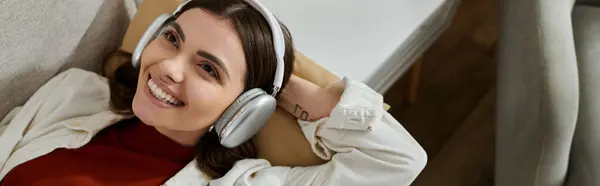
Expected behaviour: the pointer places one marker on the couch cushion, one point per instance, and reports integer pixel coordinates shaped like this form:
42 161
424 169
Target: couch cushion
41 38
103 36
585 154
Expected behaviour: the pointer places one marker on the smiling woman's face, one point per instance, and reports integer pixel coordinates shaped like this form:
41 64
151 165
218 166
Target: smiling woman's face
190 73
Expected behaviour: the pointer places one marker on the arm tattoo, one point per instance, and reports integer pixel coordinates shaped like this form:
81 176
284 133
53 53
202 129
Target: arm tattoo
303 113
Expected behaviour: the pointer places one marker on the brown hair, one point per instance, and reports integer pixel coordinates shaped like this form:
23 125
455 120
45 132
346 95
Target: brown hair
255 34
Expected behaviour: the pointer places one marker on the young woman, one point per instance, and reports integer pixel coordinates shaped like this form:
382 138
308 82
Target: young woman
151 125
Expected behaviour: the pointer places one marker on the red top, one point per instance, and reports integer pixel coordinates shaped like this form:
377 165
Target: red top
128 153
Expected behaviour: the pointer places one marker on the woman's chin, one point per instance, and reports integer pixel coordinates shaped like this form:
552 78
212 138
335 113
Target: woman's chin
150 115
147 112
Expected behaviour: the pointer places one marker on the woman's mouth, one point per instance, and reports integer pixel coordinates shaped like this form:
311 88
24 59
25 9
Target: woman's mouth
161 95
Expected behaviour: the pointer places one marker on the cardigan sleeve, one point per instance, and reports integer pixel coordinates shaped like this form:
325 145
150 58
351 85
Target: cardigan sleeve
364 144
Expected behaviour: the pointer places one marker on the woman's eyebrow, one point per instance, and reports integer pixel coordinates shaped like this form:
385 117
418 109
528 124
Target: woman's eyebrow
213 58
177 28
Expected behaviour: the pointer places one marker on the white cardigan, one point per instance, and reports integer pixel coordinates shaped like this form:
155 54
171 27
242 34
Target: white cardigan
365 144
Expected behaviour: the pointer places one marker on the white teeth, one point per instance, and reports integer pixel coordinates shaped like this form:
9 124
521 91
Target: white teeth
160 94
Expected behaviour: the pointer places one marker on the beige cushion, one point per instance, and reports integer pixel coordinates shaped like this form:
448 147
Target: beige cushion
41 38
584 161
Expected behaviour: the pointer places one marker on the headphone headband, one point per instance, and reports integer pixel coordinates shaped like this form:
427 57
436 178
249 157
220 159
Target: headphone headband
278 39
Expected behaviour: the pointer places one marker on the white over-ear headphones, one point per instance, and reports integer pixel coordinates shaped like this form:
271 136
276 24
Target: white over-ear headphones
251 110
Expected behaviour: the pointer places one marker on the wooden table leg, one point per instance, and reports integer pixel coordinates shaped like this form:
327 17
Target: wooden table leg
414 75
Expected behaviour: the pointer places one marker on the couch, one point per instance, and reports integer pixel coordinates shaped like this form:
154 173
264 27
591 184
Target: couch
548 104
38 39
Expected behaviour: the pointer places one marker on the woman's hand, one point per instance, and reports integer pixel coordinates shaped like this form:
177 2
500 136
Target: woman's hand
307 101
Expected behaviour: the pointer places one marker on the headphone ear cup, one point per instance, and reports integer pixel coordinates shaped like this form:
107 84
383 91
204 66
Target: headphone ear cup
147 37
245 117
235 106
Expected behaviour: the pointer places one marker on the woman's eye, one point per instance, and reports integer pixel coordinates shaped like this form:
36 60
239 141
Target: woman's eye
172 38
209 69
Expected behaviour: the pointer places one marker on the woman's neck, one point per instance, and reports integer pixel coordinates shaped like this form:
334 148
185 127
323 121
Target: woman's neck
186 138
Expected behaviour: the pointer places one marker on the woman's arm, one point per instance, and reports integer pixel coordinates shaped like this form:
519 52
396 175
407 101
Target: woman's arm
348 126
307 101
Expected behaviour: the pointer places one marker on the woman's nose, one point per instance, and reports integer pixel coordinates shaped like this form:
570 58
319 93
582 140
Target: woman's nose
172 70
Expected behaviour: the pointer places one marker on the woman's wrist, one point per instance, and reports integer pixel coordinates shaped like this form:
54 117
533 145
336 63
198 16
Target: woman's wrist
306 100
297 88
292 95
